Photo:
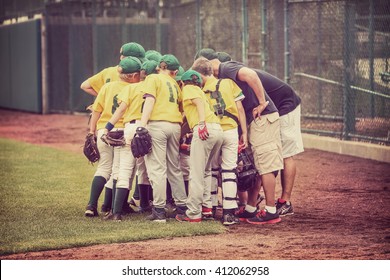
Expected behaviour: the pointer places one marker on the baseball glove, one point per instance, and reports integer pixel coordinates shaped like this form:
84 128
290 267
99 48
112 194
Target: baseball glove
114 138
90 148
141 143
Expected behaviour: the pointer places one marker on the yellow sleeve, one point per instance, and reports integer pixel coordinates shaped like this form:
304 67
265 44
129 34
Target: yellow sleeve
98 104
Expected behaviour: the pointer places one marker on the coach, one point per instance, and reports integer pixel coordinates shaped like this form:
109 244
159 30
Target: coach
288 104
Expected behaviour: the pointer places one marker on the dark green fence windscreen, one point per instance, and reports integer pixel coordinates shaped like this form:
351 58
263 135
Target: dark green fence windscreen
20 62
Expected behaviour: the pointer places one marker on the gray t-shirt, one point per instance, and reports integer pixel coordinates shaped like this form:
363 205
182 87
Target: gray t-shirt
282 95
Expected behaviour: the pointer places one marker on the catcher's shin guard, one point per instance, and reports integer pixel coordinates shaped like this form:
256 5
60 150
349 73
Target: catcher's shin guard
229 188
214 186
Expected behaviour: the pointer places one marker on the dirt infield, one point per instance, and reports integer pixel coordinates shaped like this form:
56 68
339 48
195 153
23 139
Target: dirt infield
340 202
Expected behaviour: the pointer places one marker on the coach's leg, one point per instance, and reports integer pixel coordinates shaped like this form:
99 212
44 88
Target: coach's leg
288 178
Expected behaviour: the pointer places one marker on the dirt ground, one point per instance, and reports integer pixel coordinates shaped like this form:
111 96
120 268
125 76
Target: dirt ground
340 202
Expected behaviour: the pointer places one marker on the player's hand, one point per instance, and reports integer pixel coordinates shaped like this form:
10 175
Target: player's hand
202 131
256 112
185 147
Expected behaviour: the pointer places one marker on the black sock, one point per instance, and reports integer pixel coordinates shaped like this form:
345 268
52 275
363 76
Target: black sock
107 198
113 192
120 200
144 195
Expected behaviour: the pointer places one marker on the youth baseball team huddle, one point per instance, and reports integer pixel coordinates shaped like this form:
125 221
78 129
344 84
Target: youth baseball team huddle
199 121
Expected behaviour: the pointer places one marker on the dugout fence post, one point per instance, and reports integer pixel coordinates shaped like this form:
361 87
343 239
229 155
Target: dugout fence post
94 38
286 44
348 49
198 26
158 27
264 34
371 35
319 58
244 14
69 12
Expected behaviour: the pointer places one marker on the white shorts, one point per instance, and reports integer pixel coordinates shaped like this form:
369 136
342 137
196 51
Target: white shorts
290 133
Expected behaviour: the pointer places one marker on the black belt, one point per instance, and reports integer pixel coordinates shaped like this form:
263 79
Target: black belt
133 121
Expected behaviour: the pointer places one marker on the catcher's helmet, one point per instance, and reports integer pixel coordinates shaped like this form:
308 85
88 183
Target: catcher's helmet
246 172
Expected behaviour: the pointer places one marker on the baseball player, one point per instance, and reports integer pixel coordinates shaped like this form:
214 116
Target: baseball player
153 55
206 143
143 184
103 108
225 98
264 133
130 72
93 85
162 117
170 207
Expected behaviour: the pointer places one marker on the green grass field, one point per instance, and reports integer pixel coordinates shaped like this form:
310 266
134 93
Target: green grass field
43 194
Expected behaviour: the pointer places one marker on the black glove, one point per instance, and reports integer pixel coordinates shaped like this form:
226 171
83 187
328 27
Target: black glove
141 143
90 148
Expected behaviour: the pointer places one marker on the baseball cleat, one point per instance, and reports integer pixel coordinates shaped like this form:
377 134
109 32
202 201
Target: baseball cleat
91 211
230 219
284 208
113 217
264 217
244 215
158 215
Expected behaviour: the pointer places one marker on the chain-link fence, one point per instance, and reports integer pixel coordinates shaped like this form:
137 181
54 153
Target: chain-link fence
334 53
339 67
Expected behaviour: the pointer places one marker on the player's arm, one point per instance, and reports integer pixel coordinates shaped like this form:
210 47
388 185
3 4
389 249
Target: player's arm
242 120
94 119
86 86
119 112
198 102
249 76
147 109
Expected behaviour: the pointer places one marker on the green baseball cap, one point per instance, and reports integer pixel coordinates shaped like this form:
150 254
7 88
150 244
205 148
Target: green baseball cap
191 76
179 73
133 49
171 62
153 55
208 53
129 65
150 67
224 56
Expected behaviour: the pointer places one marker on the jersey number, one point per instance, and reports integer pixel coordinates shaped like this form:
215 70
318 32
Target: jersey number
171 96
114 104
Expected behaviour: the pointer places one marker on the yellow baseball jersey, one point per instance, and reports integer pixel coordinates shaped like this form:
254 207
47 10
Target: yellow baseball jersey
109 74
132 95
168 95
191 92
106 103
230 93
